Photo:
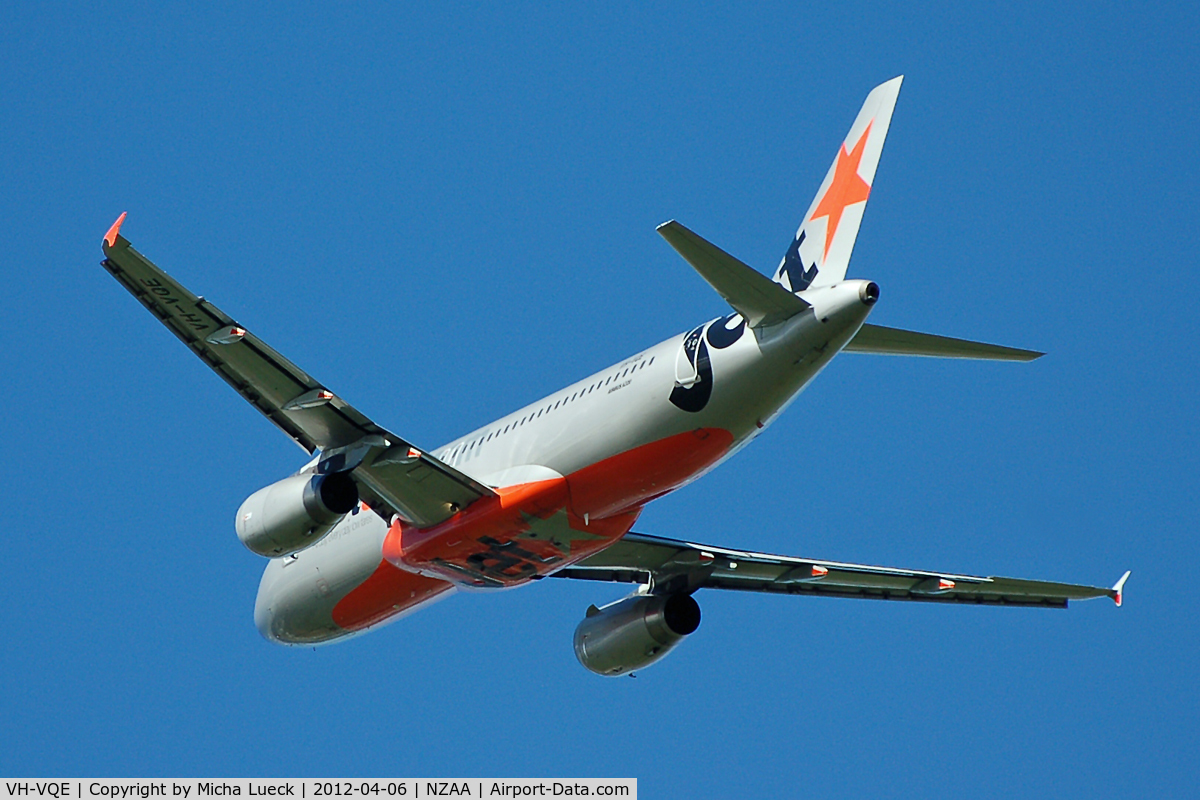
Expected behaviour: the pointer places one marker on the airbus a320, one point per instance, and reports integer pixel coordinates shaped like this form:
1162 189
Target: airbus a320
375 527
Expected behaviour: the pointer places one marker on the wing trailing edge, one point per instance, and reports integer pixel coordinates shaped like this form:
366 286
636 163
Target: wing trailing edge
670 565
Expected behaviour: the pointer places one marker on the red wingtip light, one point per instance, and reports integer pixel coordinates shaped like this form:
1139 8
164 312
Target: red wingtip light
819 571
110 238
945 585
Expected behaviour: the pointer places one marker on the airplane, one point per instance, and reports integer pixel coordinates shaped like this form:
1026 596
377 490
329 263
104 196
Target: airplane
373 527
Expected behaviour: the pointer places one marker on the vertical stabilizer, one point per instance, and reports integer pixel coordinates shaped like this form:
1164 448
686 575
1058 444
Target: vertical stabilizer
820 253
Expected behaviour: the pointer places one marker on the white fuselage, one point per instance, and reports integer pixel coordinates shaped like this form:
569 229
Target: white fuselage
751 375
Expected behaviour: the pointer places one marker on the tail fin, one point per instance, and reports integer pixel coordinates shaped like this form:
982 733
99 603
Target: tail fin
821 250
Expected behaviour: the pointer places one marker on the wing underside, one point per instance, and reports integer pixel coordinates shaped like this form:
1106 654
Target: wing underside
391 472
668 565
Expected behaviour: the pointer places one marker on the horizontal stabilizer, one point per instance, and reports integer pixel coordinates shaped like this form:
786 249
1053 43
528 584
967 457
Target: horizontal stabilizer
755 296
896 342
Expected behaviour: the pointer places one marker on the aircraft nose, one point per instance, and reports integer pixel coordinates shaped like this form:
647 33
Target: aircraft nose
264 616
293 608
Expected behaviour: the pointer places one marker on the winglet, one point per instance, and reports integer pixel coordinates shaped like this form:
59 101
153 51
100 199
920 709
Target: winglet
110 238
1118 589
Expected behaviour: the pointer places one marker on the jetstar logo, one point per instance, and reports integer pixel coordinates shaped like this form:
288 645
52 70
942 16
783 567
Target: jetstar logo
846 189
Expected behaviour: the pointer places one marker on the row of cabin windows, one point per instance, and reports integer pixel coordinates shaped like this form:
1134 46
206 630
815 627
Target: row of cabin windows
470 449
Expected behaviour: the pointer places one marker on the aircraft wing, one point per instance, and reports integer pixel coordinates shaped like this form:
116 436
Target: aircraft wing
671 566
390 471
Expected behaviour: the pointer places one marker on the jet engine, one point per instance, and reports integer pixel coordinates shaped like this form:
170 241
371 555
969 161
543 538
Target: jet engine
295 512
634 632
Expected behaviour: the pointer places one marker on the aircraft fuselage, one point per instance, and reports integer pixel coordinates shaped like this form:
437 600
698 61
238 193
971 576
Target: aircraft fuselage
572 472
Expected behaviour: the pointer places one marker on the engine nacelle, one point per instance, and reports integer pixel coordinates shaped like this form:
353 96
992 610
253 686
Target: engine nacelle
635 632
295 512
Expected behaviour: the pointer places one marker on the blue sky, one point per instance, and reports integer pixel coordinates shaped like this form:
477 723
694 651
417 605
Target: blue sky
447 214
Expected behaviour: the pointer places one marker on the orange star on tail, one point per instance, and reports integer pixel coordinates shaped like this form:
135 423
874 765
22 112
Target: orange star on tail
846 189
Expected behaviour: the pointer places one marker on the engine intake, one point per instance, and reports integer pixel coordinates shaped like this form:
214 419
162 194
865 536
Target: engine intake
635 632
295 512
